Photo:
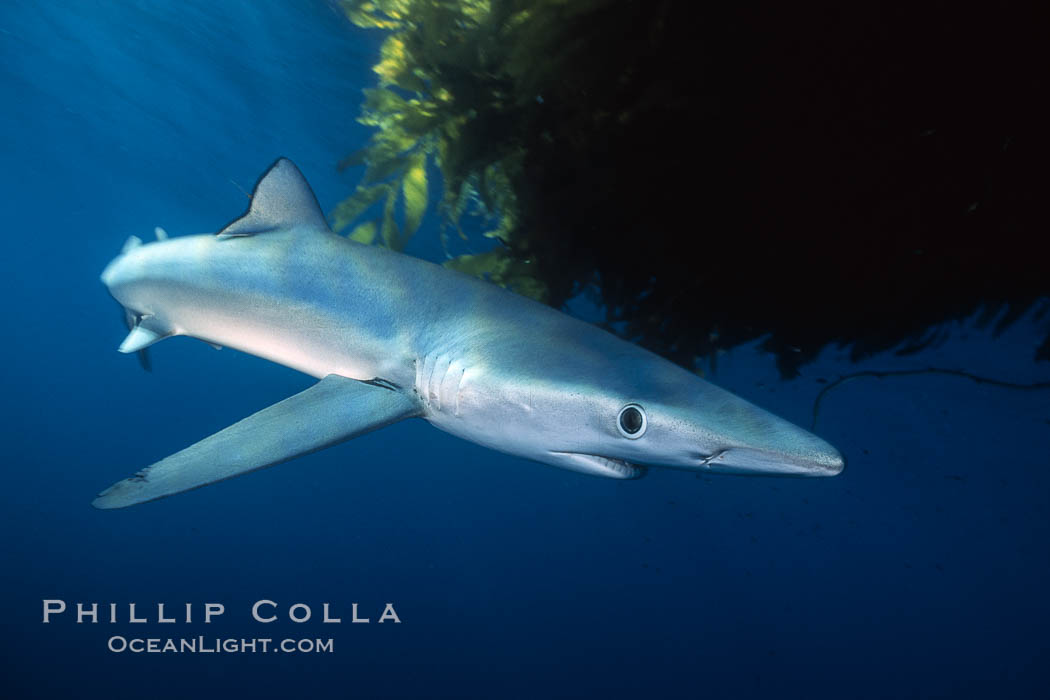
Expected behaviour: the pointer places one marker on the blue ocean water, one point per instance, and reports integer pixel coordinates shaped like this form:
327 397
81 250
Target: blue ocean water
921 571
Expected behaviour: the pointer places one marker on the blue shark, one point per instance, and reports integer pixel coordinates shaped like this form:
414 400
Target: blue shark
392 337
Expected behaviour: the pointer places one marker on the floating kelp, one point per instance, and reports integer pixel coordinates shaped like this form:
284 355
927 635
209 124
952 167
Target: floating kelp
434 79
720 173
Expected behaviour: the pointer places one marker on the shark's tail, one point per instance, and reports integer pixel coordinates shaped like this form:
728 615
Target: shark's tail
143 354
140 338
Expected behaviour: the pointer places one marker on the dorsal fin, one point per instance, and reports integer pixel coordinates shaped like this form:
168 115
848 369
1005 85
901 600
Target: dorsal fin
132 243
282 199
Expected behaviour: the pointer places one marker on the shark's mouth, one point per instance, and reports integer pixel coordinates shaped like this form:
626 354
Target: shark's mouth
598 465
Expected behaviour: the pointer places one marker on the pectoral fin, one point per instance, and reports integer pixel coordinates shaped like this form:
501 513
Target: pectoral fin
331 411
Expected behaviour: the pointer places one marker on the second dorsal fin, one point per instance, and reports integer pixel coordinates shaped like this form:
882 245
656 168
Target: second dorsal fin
282 199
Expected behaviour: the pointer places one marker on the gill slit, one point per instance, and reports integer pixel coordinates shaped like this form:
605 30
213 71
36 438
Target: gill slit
439 381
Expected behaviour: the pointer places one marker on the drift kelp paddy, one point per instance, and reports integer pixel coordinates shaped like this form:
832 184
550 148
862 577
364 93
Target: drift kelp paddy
609 146
394 337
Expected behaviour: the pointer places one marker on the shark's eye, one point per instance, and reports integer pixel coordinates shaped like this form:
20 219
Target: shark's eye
632 421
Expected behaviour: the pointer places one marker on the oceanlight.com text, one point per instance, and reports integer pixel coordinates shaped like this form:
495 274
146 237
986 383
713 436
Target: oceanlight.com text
218 645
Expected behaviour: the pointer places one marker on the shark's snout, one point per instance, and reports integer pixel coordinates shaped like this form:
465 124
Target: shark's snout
754 441
822 461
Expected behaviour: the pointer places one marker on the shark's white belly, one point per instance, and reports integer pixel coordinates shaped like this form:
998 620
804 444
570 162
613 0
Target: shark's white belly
303 304
308 342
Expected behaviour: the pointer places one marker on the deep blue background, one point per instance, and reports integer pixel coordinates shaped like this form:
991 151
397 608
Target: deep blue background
921 571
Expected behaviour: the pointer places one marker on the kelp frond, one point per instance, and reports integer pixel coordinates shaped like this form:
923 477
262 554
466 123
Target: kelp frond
440 86
502 268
